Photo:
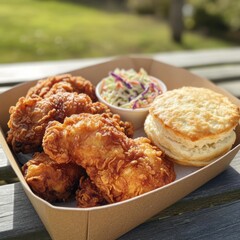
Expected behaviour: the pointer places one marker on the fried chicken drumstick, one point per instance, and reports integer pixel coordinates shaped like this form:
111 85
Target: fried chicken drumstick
120 167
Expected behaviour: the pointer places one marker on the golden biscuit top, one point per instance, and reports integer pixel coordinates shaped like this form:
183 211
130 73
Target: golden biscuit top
195 113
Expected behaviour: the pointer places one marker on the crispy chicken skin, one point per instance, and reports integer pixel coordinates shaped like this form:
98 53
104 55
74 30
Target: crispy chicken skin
30 116
62 83
88 195
120 167
50 180
125 127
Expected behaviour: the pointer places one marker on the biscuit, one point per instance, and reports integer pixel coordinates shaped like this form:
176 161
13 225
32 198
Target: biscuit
193 126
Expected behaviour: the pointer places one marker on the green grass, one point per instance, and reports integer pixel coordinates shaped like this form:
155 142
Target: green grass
33 30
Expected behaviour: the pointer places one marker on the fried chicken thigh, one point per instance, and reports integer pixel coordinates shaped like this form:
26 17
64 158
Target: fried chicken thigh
30 116
120 167
62 83
50 180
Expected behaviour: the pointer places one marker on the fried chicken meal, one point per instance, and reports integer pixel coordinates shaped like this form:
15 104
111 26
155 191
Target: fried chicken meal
193 126
49 180
120 167
81 150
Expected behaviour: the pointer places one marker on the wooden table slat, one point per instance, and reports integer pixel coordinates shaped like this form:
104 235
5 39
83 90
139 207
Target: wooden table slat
6 172
231 86
219 73
20 72
217 222
198 58
17 216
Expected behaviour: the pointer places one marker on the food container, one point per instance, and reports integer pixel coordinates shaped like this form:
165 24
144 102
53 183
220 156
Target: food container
65 221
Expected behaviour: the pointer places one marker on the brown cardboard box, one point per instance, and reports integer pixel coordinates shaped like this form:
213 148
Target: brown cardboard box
111 221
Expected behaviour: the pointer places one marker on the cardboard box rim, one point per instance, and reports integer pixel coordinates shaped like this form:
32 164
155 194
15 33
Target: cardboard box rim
88 217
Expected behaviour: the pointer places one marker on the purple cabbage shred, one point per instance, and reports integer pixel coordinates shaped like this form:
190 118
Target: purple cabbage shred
142 85
117 77
145 91
135 104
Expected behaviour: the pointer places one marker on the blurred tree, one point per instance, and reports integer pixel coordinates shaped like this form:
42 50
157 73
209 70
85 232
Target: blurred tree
161 8
141 6
171 11
216 17
176 19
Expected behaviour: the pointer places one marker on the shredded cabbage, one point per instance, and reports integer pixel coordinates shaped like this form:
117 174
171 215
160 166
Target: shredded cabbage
130 89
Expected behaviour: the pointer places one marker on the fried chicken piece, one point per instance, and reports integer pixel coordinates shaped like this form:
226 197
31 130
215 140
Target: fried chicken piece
120 167
88 195
30 116
62 83
49 180
125 127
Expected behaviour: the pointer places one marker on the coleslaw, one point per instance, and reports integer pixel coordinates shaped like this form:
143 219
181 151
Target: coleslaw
130 89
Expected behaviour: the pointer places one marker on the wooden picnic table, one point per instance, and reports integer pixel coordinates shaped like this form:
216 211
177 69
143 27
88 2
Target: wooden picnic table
210 212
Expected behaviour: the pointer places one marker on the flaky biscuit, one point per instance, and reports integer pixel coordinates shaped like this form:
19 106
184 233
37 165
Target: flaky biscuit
198 155
192 125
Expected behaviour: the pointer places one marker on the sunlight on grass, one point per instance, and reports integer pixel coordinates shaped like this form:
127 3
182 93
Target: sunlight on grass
33 30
